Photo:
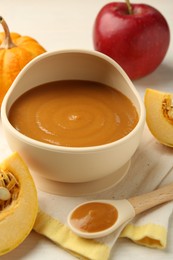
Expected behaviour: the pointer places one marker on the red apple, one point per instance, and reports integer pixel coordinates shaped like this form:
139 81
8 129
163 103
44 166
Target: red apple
138 41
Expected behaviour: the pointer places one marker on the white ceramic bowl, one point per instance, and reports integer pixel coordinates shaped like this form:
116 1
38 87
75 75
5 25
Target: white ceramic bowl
67 164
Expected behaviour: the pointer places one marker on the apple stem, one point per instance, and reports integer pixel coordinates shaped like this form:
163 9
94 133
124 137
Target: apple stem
129 6
7 42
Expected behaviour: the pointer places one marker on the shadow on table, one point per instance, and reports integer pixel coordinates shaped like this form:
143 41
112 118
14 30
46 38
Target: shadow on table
161 77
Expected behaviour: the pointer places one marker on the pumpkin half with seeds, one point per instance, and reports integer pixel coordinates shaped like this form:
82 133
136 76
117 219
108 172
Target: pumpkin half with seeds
159 115
18 203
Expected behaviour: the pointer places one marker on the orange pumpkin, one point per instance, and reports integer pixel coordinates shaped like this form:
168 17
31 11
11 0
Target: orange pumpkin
15 52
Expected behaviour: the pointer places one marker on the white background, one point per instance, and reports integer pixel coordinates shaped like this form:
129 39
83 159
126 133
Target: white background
61 24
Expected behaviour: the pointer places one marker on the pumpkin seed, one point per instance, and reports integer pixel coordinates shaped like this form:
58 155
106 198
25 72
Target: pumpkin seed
4 194
9 189
167 107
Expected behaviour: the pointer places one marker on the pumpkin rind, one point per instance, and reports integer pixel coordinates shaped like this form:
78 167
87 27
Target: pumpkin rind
13 59
17 219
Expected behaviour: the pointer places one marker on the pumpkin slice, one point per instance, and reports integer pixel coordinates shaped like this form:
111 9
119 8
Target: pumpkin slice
18 211
159 115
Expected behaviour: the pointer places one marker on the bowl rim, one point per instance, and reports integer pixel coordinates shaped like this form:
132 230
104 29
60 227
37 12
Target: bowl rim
46 146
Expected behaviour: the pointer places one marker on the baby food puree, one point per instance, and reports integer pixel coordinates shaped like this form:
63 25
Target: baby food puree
73 113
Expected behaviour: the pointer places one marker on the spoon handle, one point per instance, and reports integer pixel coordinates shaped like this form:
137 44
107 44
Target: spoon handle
151 199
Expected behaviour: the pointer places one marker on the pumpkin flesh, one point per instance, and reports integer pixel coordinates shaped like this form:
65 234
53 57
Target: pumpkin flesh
159 115
18 218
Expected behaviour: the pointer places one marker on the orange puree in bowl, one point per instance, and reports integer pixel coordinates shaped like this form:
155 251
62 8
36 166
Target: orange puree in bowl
73 113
